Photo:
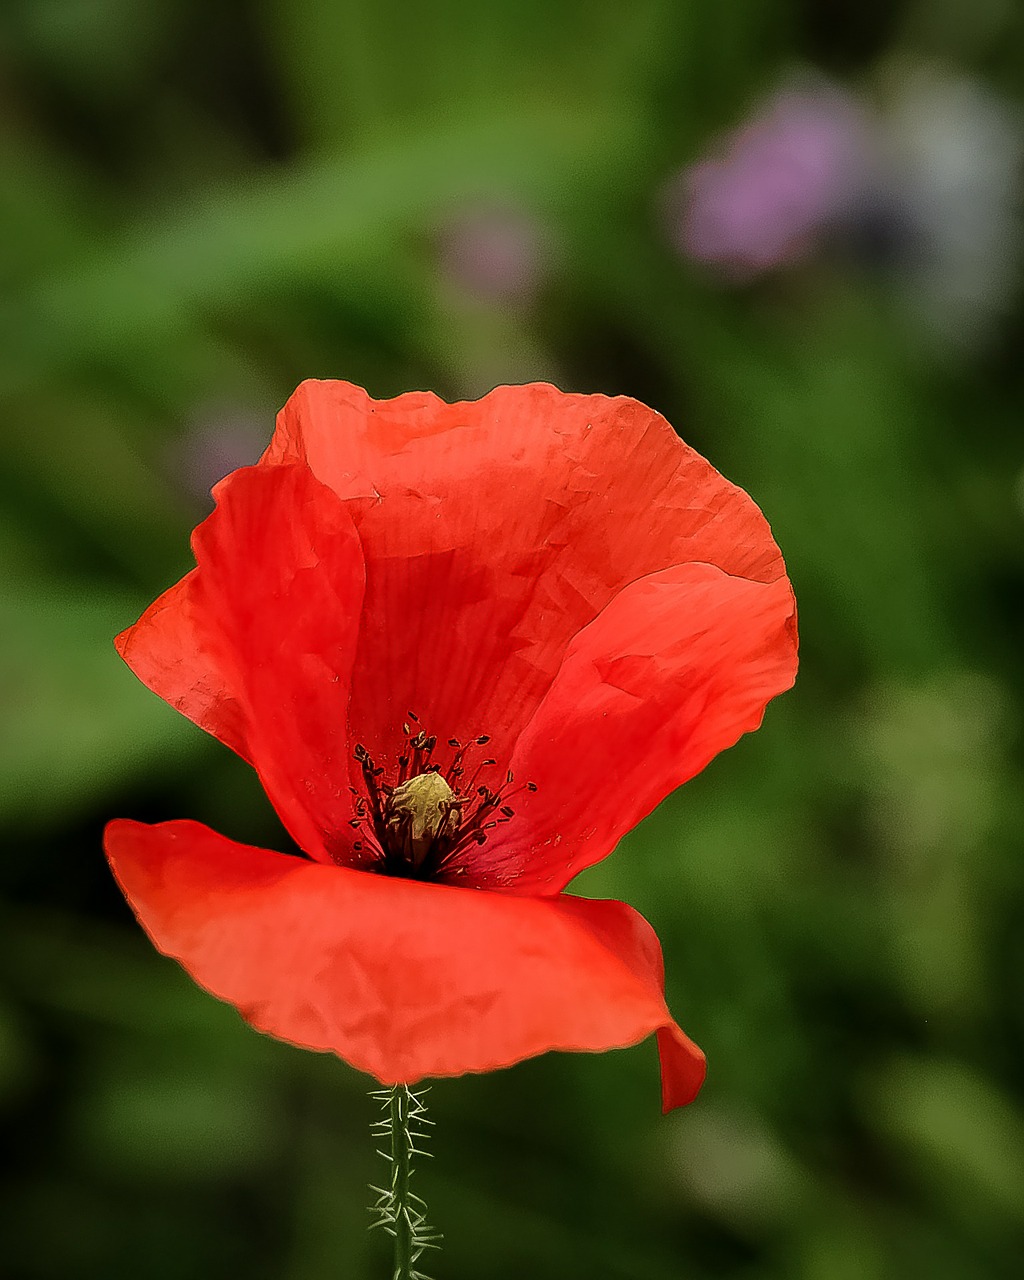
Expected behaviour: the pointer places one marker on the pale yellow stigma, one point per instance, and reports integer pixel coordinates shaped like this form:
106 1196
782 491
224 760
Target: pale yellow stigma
419 810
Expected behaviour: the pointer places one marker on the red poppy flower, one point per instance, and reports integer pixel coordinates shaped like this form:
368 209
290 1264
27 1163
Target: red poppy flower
466 647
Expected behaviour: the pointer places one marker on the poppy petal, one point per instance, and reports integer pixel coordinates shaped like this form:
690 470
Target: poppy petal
675 670
493 531
164 651
400 978
257 643
279 595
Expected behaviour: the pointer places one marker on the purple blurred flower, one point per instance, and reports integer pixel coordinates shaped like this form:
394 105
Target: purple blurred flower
926 188
494 253
779 181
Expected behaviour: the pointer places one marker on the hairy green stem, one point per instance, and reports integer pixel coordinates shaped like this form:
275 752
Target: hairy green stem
401 1171
401 1212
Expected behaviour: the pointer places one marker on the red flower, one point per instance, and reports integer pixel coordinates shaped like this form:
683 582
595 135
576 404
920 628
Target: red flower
545 608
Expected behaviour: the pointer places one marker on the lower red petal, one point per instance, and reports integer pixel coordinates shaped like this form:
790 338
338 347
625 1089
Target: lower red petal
401 979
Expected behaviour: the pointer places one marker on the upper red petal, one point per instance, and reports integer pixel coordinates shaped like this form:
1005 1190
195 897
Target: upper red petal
675 669
165 651
401 979
494 531
257 643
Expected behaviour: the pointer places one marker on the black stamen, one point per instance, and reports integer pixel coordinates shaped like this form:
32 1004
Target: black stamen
458 824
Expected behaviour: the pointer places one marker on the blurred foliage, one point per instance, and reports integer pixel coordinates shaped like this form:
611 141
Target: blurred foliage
201 205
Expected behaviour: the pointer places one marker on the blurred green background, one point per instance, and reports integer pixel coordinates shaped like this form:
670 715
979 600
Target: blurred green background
200 205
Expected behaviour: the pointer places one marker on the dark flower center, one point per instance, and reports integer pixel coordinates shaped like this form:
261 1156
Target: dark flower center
423 819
